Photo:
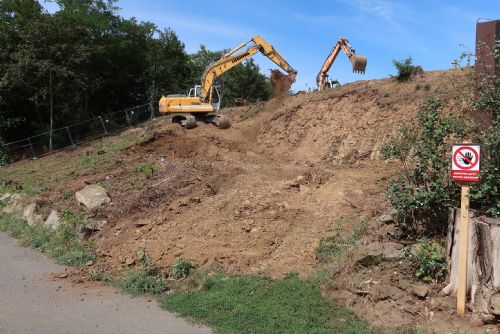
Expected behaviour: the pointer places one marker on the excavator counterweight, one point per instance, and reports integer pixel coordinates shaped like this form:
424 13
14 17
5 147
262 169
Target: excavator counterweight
358 62
203 101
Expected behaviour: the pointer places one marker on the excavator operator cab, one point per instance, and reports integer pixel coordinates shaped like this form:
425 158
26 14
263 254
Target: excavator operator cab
195 92
214 98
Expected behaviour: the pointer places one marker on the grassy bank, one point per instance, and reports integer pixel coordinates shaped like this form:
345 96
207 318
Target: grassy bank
61 244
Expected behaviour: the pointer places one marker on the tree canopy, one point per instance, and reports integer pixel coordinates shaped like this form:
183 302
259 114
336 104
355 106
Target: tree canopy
86 60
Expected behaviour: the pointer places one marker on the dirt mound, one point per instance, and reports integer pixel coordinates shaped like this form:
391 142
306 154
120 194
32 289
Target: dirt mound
351 122
281 83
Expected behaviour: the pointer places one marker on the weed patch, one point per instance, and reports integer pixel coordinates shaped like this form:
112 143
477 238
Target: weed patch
142 281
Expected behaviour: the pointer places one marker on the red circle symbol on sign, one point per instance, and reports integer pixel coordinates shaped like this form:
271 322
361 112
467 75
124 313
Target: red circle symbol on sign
471 162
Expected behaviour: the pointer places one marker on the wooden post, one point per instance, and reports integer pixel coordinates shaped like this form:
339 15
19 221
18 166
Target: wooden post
463 250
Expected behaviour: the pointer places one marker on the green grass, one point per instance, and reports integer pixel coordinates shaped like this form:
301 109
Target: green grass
30 177
61 244
255 304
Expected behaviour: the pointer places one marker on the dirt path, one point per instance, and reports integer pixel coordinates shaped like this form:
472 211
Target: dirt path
31 303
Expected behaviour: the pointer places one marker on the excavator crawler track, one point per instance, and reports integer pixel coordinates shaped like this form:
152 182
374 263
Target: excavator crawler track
188 121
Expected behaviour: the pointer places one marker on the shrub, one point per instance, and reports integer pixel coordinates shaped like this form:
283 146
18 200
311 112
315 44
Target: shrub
406 69
429 260
424 193
487 192
181 268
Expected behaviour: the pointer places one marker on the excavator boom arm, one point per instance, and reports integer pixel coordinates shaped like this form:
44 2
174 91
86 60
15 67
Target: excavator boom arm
358 62
235 57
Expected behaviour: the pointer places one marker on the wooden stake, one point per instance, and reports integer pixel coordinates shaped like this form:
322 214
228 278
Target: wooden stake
462 251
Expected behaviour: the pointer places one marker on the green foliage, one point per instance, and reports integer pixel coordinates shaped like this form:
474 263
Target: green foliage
487 193
429 259
425 193
148 170
62 244
482 95
487 87
406 69
141 281
81 61
255 304
181 268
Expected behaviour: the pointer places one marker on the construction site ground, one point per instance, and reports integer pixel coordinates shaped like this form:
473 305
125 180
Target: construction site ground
257 198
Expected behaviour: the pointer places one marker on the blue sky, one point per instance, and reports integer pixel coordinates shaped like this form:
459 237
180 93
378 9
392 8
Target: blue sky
431 31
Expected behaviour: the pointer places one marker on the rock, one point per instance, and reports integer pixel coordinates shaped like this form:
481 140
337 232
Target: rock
53 220
421 291
5 197
392 250
93 196
29 214
15 206
389 217
369 255
95 225
442 303
63 275
89 263
376 251
129 261
495 304
142 222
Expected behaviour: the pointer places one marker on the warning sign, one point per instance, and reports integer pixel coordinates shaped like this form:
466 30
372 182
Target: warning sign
465 163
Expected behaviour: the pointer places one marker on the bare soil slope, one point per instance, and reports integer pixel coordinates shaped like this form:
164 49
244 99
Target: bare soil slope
256 198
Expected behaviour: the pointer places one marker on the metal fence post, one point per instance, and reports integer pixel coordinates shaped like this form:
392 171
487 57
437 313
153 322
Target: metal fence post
152 109
32 150
103 126
70 138
128 118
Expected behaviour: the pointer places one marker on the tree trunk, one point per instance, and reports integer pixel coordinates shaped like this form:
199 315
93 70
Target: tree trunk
483 259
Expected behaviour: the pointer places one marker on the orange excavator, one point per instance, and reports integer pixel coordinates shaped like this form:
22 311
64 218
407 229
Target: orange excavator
358 63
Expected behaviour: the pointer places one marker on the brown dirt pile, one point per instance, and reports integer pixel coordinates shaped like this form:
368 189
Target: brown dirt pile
351 122
281 83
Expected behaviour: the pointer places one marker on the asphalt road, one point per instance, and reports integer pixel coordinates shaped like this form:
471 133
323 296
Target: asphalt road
32 303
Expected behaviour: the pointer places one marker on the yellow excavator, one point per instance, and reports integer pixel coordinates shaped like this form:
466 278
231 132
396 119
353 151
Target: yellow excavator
203 101
358 63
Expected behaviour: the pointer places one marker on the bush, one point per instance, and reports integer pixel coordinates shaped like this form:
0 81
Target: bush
428 257
487 192
424 194
406 69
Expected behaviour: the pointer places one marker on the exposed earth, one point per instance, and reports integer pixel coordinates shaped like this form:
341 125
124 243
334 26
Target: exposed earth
259 197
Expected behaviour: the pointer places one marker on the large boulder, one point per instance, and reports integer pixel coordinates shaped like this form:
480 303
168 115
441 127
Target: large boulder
53 220
30 215
373 253
15 204
93 196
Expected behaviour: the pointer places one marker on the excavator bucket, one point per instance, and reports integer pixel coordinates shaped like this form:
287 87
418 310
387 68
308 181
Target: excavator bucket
358 64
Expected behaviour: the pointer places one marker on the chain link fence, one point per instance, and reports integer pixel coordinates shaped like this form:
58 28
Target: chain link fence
75 134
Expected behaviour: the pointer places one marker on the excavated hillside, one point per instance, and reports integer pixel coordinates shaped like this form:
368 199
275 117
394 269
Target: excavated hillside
256 198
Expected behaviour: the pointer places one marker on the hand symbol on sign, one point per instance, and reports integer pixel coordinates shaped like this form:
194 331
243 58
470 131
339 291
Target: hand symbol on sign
469 156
